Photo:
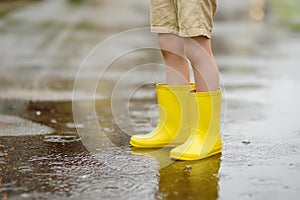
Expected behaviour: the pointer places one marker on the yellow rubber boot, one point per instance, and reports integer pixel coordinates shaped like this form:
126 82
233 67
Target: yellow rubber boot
173 122
204 139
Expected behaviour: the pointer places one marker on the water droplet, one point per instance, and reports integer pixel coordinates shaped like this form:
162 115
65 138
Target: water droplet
25 195
53 121
73 125
84 176
246 142
108 129
38 113
24 169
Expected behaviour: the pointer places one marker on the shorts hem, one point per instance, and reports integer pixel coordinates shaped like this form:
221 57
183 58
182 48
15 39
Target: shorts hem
158 29
191 32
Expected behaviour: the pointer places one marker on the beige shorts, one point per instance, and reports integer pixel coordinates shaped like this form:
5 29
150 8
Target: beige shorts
186 18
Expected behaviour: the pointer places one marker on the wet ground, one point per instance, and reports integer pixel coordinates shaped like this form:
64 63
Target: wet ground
67 139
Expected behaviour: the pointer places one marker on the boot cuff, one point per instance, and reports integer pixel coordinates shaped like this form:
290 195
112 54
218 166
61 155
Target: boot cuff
174 87
203 94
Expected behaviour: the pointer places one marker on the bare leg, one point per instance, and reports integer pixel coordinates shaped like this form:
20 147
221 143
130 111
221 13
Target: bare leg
172 47
198 51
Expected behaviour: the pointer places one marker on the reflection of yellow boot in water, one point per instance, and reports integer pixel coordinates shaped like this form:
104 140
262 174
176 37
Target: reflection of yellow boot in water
173 122
196 179
204 139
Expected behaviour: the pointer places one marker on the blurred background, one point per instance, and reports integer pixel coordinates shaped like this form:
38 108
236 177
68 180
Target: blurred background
45 154
44 42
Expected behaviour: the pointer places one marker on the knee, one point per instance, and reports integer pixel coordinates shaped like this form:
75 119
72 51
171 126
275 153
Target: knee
171 44
197 47
191 49
164 39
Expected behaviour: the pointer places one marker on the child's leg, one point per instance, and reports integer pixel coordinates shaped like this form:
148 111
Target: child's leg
172 47
205 104
206 74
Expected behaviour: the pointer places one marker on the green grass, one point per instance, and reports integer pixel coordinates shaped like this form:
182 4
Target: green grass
287 13
76 1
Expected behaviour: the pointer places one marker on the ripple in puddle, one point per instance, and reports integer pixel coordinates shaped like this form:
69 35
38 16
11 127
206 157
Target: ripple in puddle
62 138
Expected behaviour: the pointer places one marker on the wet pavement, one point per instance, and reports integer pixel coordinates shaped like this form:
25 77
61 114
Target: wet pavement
67 109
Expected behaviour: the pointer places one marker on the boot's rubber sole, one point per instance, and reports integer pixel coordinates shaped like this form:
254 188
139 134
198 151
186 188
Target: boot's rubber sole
153 145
